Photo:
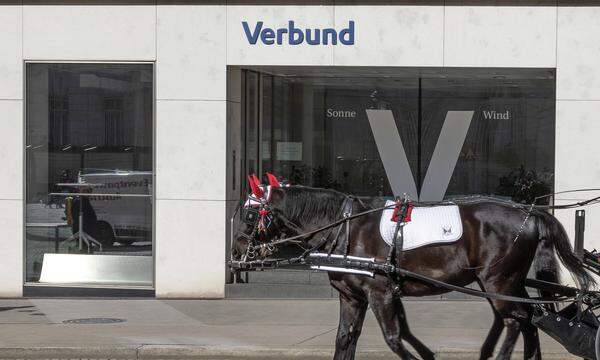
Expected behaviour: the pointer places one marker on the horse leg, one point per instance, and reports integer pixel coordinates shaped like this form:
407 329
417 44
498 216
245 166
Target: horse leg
513 329
531 339
506 310
516 318
352 314
424 351
519 322
531 342
487 349
384 306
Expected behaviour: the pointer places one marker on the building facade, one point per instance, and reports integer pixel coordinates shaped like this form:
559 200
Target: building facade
141 119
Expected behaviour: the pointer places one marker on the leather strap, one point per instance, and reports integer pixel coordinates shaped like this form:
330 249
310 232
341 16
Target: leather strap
399 242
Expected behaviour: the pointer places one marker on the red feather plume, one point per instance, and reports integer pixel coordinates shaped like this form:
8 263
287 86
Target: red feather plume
255 186
273 180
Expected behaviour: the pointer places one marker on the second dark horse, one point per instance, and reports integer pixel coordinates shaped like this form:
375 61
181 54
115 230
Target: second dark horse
489 253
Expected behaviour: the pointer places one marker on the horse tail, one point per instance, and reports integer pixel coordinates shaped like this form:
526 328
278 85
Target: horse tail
554 237
545 266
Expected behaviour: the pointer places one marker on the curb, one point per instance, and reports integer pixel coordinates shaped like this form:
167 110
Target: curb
42 352
225 352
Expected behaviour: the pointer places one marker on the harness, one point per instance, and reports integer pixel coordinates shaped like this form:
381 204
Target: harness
318 257
260 218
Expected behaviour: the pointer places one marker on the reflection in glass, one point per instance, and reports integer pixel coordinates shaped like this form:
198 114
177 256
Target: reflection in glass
88 124
313 127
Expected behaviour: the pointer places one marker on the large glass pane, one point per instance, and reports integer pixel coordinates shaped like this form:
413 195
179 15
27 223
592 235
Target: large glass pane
315 131
509 147
89 139
492 129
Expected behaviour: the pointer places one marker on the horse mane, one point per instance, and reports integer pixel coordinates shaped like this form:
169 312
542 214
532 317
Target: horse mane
306 205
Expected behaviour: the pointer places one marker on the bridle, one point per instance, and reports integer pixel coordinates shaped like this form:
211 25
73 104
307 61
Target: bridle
257 213
259 219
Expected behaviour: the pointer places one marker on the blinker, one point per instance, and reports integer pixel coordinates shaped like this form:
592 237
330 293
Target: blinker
250 216
261 218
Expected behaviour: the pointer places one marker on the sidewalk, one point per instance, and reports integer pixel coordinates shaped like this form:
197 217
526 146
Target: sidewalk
228 329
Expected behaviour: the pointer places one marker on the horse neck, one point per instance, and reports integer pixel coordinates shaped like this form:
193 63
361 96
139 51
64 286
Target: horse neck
313 208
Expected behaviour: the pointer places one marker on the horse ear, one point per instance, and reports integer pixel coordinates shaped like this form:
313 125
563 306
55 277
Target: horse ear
257 182
255 186
273 180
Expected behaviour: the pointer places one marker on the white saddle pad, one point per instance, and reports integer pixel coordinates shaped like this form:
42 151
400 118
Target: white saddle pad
428 225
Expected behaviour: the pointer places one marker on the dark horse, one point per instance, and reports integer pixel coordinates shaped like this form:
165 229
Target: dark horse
489 253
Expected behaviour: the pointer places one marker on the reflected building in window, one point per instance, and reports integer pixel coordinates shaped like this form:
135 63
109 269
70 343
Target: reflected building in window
88 123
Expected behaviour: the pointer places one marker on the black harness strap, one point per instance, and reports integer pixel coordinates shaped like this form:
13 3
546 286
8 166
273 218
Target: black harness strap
400 212
396 248
391 270
399 241
388 269
346 211
347 214
478 293
335 239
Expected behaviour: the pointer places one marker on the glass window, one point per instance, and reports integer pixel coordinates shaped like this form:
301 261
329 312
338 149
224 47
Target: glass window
508 150
89 162
453 132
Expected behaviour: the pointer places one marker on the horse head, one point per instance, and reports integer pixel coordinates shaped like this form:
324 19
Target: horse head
276 211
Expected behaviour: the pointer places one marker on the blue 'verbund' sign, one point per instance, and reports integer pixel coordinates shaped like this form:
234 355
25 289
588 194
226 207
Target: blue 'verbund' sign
293 35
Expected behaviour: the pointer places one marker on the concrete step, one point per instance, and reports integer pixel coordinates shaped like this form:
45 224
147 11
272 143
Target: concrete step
295 277
279 291
291 284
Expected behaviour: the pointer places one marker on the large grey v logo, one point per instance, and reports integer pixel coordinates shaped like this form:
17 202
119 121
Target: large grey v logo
443 160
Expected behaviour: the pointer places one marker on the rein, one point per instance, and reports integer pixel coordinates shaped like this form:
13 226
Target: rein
369 266
326 227
529 209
